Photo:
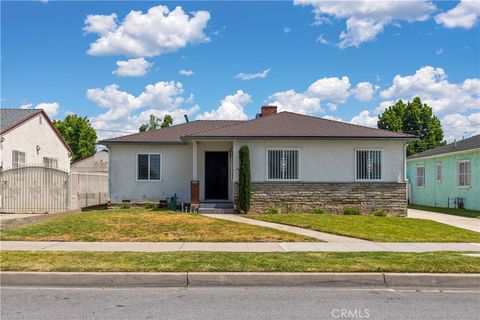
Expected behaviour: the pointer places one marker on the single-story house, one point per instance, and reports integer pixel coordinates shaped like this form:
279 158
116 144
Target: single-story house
28 137
298 162
447 176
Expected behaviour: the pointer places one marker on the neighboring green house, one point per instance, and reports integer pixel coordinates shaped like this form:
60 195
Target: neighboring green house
447 176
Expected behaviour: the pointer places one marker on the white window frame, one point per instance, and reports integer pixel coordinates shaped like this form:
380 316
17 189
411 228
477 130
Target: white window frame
438 169
50 160
416 176
381 164
17 164
284 149
161 166
469 174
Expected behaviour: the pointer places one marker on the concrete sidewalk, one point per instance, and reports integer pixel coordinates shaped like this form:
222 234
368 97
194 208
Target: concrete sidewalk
235 246
323 236
456 221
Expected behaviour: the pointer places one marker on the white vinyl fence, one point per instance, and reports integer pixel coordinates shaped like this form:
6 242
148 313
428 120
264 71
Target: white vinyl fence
38 189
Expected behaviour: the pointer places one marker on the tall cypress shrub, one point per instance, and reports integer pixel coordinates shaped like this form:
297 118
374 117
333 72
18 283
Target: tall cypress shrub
244 183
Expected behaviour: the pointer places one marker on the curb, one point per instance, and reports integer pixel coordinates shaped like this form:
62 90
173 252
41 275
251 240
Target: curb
246 279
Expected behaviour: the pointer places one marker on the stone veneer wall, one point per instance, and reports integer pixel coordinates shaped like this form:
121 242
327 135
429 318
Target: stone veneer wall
332 197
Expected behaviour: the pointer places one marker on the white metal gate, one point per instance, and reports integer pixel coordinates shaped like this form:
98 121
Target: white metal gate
34 189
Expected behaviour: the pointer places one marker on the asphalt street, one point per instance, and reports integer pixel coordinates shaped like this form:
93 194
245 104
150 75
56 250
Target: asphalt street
235 303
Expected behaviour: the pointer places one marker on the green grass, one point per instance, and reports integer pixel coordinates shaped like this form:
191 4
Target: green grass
380 229
239 262
144 225
456 212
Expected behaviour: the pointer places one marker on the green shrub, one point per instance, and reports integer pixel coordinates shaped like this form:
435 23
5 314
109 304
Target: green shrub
380 213
349 211
125 206
150 206
272 210
318 211
244 180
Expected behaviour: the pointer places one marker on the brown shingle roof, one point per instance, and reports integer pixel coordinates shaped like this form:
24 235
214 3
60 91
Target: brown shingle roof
171 134
280 125
462 145
294 125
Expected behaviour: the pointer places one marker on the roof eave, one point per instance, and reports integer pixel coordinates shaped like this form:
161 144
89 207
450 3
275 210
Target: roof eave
106 142
196 137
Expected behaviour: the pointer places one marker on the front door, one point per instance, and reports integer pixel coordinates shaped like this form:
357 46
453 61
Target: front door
216 175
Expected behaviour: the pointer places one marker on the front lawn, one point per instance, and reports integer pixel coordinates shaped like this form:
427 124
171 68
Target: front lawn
239 262
144 225
380 229
456 212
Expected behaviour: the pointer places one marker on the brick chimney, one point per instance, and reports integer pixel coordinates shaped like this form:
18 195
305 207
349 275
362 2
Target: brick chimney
267 111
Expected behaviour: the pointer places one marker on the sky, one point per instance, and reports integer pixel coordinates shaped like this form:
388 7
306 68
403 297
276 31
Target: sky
118 62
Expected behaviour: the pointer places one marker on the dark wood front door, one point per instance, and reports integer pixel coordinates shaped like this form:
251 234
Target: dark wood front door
216 175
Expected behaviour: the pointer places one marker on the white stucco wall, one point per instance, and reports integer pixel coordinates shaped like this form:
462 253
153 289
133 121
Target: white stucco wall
325 160
27 136
176 173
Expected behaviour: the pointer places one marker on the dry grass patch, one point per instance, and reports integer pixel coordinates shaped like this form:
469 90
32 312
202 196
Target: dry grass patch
144 225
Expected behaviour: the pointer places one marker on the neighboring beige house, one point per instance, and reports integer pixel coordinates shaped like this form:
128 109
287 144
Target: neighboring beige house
298 162
95 163
28 137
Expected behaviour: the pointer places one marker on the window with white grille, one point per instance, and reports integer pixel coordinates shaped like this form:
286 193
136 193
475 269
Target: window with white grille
438 172
282 164
368 165
149 166
420 176
18 159
50 162
463 173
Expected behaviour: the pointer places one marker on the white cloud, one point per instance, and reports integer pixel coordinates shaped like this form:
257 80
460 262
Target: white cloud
465 15
160 98
231 108
383 106
365 19
331 88
457 125
296 102
364 119
186 73
153 33
432 86
50 108
439 51
287 30
332 106
250 76
329 117
132 68
364 91
321 39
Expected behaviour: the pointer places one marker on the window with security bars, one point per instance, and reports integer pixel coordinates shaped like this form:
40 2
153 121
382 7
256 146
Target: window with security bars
283 164
463 173
369 165
18 159
50 162
420 176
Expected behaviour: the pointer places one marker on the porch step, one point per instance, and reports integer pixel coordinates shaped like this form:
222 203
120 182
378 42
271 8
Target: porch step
217 205
215 211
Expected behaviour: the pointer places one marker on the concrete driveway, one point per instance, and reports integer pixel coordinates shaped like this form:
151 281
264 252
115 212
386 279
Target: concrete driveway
456 221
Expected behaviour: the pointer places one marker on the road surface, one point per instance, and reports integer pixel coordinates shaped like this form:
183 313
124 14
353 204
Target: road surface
235 303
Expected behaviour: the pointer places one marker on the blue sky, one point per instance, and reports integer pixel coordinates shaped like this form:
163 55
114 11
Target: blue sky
339 60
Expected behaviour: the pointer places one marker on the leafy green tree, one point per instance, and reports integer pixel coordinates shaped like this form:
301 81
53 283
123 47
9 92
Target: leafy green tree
167 121
154 123
415 118
244 183
79 135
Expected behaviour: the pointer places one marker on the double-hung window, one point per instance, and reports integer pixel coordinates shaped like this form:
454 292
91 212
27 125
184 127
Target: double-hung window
438 172
463 173
420 176
149 166
368 165
50 162
283 164
18 159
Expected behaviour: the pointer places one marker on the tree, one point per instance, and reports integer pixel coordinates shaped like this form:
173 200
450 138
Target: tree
244 183
414 118
79 134
154 123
